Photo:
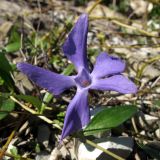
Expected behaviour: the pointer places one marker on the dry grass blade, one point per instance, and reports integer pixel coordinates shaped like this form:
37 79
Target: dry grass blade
35 113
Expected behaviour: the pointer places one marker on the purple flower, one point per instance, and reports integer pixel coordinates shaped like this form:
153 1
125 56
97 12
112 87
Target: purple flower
105 76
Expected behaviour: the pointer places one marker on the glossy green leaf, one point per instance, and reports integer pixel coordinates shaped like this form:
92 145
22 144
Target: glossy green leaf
6 106
30 99
109 118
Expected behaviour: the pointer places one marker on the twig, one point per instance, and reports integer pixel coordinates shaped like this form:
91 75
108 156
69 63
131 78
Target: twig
150 61
133 34
4 148
35 113
94 5
135 46
119 22
131 27
107 18
134 125
155 82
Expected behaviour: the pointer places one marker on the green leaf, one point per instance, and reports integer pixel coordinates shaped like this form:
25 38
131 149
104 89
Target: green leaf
14 35
4 64
13 47
14 152
5 69
1 81
30 99
4 95
14 42
67 71
7 80
109 118
156 103
46 99
6 106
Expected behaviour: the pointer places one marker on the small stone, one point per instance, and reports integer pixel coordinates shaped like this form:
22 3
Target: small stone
157 133
121 146
43 135
42 156
140 6
144 120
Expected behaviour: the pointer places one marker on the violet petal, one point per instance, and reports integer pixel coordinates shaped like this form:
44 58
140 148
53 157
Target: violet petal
75 46
107 65
53 82
77 114
117 83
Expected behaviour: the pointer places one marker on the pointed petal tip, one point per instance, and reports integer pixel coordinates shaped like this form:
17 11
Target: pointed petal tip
134 89
84 15
20 65
75 46
77 115
130 91
131 87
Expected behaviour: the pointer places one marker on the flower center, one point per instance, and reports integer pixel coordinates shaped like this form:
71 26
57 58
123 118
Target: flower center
85 83
83 79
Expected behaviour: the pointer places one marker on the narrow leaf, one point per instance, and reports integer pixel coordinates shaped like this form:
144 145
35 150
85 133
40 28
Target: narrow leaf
30 99
5 69
14 42
13 47
67 71
4 64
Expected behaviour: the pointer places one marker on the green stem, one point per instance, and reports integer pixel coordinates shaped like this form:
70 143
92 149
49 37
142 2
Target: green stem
47 98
